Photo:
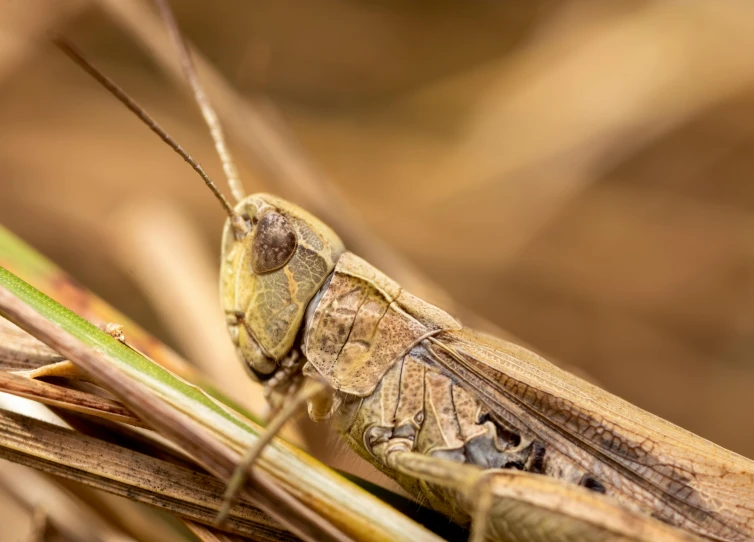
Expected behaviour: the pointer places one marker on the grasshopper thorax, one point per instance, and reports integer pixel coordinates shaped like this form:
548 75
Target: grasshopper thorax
269 274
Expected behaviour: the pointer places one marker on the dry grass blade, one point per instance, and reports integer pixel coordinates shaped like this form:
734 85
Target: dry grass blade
21 351
173 488
22 260
214 455
207 431
78 401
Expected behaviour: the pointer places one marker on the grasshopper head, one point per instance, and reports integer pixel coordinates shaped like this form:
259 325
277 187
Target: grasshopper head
269 275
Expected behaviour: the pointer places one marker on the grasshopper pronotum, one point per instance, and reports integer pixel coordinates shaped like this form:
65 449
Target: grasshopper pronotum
479 427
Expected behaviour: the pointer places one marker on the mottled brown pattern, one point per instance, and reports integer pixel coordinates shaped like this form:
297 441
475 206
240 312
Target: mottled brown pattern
361 327
454 415
267 286
666 471
440 433
541 418
409 413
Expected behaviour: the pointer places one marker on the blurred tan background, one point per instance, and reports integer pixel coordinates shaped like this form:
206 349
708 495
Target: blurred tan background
580 174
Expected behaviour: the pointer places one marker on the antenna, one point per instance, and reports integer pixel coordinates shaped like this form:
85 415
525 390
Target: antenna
239 225
202 100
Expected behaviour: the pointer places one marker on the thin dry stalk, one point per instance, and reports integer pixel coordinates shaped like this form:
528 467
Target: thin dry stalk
195 440
80 458
21 351
78 401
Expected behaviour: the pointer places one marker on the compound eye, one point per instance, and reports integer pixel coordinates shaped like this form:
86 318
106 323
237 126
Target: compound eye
274 243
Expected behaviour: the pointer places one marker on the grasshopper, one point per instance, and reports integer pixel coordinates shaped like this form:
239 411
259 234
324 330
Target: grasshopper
419 395
484 430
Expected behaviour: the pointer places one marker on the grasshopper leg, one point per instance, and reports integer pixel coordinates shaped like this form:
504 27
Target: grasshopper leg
310 393
511 505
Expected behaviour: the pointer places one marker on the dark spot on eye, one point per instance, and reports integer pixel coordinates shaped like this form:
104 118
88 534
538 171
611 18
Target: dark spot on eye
518 465
274 243
254 220
592 483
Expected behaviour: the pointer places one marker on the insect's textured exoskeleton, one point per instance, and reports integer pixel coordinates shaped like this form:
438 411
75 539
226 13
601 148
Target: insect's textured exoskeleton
438 406
364 323
269 276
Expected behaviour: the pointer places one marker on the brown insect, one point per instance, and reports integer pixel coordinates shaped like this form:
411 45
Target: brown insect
479 427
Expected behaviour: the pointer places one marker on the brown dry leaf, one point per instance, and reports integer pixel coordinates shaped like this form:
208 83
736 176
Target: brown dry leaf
184 430
59 396
176 489
21 351
310 500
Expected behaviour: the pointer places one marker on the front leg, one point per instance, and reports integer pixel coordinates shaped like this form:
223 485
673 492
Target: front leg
313 392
